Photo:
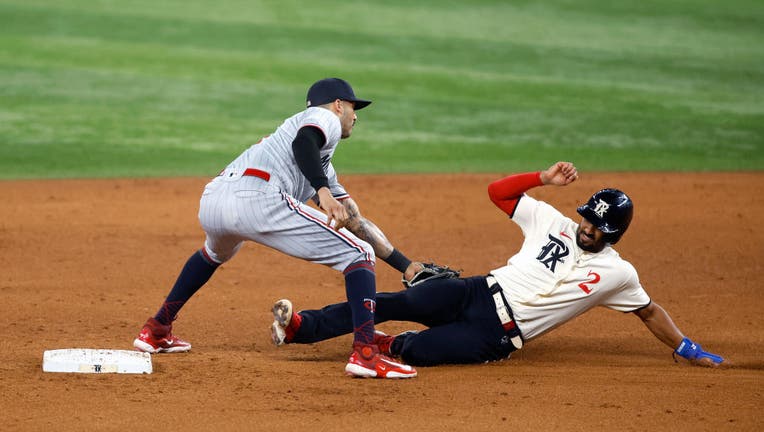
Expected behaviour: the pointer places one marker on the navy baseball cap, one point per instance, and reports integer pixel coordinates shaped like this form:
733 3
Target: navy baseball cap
330 89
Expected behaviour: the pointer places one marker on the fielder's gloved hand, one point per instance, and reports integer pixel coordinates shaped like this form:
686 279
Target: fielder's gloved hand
430 271
695 354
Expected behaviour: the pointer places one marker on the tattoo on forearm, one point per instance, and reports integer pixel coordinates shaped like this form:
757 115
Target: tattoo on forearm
366 230
375 237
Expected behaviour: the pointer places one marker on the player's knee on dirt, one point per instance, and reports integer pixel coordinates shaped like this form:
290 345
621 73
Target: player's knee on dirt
416 357
410 352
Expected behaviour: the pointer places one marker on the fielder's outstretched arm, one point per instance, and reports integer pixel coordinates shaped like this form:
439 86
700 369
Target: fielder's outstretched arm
306 148
369 232
658 321
366 230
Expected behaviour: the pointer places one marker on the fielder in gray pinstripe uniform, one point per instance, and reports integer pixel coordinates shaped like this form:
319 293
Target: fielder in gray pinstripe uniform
261 196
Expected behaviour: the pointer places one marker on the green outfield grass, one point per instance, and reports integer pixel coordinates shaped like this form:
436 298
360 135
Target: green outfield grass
164 88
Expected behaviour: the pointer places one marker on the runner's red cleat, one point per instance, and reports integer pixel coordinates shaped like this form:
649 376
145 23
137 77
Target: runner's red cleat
285 322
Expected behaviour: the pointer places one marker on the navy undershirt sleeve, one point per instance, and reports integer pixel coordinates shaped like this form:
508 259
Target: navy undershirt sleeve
306 146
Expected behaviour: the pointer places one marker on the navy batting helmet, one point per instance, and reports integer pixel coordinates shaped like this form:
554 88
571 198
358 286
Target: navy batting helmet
610 210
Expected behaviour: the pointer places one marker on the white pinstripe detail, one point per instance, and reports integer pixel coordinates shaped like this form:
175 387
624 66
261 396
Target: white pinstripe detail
237 209
325 226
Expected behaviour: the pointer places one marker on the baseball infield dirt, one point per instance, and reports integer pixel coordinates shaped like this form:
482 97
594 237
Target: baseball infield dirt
85 262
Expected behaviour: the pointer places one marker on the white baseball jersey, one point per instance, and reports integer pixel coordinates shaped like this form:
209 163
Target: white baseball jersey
268 207
551 280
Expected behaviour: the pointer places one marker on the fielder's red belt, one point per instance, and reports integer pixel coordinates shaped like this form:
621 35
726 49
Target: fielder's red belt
251 172
254 172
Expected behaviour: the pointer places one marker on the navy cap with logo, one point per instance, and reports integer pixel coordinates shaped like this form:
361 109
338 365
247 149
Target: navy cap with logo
330 89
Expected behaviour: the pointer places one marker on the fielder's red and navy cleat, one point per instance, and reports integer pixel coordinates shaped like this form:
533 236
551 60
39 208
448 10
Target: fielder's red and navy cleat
156 337
367 362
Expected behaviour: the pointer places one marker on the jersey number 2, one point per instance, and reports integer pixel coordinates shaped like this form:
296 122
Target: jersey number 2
594 279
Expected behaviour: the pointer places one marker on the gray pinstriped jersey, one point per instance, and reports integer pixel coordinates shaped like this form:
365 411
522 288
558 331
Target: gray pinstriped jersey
235 208
274 154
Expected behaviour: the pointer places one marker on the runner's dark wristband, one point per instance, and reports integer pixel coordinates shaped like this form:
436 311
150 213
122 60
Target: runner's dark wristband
398 261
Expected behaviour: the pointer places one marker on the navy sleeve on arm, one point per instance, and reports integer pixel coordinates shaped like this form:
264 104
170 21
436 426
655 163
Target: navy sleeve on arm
306 146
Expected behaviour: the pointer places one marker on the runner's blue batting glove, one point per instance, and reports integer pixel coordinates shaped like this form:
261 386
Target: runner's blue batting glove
695 354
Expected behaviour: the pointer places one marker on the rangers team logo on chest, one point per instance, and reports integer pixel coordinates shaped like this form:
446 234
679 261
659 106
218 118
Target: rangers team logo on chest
553 252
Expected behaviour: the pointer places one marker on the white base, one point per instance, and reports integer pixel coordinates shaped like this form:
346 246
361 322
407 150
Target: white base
82 360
